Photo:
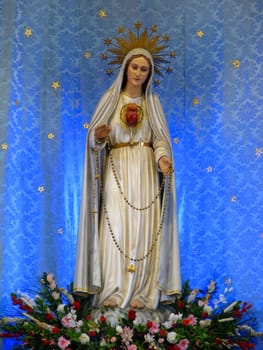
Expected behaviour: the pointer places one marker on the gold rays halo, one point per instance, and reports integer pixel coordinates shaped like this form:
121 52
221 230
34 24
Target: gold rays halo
148 39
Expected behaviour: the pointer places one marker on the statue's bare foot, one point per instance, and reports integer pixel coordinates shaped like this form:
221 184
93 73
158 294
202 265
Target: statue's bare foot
136 304
109 303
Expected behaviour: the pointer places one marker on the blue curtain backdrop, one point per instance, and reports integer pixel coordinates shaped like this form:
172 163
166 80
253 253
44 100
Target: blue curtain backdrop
51 77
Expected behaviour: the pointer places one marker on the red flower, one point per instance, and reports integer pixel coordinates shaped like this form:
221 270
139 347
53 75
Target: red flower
76 305
45 341
29 309
162 333
217 341
131 315
92 333
55 330
149 324
88 317
186 322
180 304
245 346
204 315
49 316
103 318
172 347
237 313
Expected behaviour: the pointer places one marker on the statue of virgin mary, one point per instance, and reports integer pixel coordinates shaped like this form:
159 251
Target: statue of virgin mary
128 249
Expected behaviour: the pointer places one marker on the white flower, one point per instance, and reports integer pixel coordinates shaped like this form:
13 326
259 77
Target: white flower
230 307
167 324
222 299
228 290
136 321
50 278
211 286
55 295
61 308
171 337
103 342
205 323
192 295
119 329
84 338
149 338
79 323
200 303
208 309
174 318
67 295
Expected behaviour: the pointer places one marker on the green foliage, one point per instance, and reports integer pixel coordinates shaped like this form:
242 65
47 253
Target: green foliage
56 319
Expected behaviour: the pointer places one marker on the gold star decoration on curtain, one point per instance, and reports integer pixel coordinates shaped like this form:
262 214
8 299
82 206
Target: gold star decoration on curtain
258 152
28 32
200 33
102 13
4 146
236 63
41 189
55 85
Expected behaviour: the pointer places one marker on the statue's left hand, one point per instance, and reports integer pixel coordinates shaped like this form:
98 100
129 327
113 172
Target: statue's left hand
165 165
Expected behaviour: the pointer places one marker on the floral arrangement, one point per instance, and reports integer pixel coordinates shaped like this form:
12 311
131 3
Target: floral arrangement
58 320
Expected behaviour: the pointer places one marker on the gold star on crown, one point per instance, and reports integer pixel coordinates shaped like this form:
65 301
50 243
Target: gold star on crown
147 39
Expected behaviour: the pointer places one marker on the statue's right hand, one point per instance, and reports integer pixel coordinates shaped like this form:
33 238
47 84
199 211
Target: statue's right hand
101 133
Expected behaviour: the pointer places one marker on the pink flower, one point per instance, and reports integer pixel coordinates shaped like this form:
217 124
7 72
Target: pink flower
190 321
154 328
68 321
127 334
132 347
63 342
183 344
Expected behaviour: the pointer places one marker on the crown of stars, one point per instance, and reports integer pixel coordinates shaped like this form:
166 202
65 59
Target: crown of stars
87 54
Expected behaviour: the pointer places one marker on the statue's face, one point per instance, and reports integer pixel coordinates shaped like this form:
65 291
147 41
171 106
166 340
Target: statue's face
138 71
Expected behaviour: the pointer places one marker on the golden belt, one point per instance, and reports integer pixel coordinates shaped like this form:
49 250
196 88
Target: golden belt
131 144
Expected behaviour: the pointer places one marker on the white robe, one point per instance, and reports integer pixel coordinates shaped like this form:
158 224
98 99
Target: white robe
136 231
